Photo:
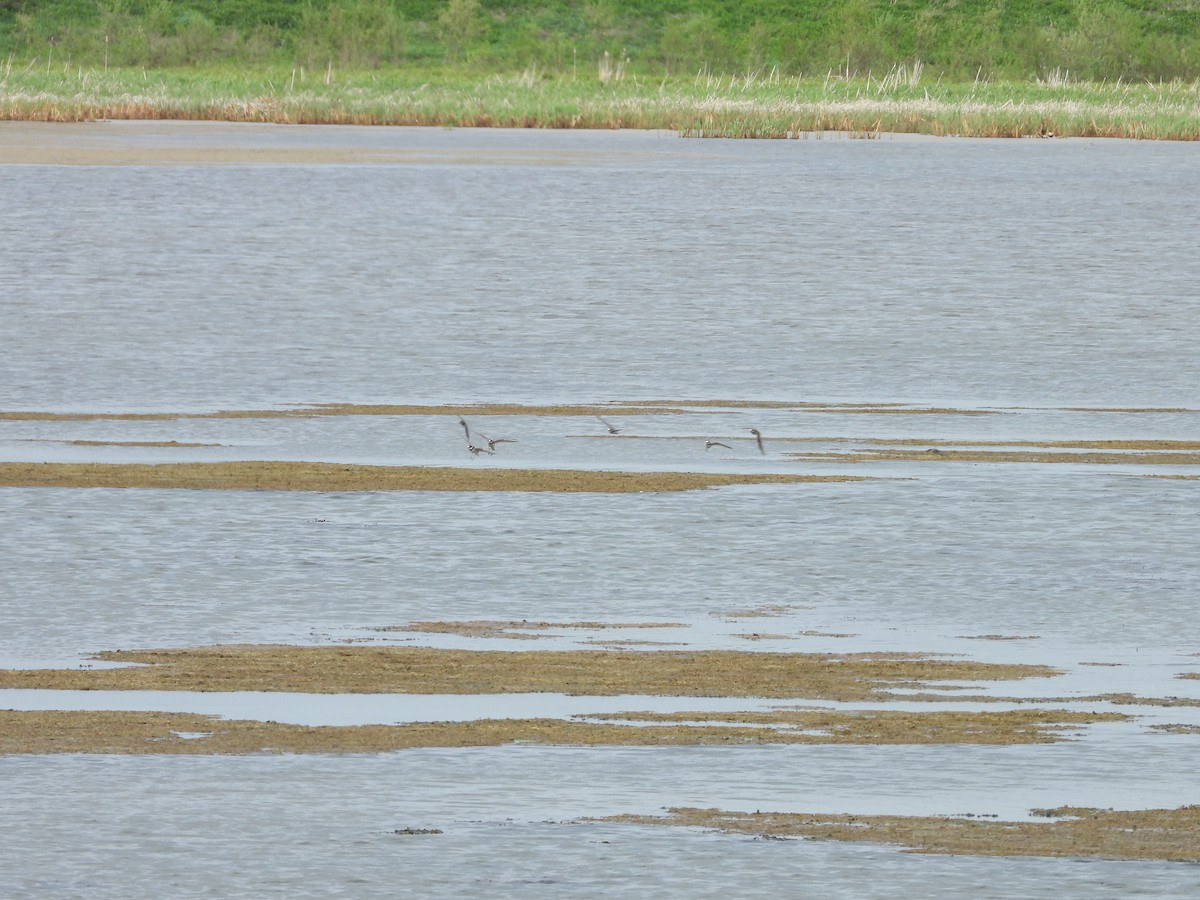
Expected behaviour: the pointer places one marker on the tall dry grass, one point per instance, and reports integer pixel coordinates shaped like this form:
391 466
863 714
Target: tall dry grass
753 105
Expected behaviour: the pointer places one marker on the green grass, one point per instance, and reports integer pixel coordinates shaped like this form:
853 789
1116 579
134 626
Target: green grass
755 68
766 105
958 40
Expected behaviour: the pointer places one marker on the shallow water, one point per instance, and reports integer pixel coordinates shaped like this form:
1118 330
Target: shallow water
319 826
580 267
527 266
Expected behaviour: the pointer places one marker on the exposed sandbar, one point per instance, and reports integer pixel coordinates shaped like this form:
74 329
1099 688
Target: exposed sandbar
1177 458
1022 726
423 670
1163 834
180 733
759 404
309 476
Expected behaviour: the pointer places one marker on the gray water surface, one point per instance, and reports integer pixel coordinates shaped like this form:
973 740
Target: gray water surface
1015 278
528 266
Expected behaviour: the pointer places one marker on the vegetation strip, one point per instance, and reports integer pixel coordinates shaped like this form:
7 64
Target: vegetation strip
750 104
1163 834
306 476
181 733
422 670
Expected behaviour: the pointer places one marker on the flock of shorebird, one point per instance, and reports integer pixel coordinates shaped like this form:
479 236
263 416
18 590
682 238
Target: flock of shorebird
475 449
490 449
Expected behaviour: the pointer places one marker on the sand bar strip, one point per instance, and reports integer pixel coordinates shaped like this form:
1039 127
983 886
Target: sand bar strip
44 732
1164 834
269 475
425 670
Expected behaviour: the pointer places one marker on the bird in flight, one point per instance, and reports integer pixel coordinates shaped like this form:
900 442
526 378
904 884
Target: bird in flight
708 445
758 437
612 429
475 451
466 430
492 442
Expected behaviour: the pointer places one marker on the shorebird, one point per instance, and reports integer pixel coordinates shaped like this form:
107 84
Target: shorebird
710 444
492 442
758 437
466 430
475 451
611 428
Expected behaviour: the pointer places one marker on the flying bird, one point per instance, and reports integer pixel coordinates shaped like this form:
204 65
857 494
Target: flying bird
466 430
475 451
492 442
708 445
758 437
611 428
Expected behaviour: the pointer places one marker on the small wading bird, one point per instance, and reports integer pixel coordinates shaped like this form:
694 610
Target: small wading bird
466 430
492 442
708 445
475 451
758 437
611 429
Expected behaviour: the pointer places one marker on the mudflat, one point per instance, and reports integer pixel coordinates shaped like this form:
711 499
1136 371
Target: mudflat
1165 834
271 475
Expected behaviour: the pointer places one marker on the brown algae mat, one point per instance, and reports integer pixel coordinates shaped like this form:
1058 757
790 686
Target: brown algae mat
425 670
42 732
1160 834
310 476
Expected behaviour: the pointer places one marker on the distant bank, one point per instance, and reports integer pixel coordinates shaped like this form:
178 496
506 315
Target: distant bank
751 105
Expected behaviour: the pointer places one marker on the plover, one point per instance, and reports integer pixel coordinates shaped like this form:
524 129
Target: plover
611 428
758 437
710 444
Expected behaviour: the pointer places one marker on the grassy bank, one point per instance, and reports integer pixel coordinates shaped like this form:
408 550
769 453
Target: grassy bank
756 68
958 39
750 105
